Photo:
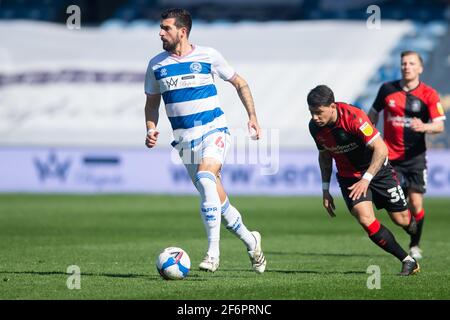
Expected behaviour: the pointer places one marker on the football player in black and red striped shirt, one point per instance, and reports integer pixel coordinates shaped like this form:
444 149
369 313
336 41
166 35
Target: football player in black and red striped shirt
344 133
409 105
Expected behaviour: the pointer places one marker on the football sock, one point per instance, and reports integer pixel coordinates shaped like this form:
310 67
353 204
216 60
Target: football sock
411 228
415 238
205 182
233 222
383 238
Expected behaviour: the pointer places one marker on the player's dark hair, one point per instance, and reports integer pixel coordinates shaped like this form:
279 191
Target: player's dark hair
182 18
320 96
411 52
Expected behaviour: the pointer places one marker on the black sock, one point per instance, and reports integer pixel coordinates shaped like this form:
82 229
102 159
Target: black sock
385 240
415 238
412 228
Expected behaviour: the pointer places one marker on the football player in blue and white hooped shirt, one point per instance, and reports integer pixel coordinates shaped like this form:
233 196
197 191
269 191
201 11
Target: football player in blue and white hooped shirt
184 75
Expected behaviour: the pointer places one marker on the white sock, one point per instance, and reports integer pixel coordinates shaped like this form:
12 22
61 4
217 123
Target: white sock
233 222
205 182
408 258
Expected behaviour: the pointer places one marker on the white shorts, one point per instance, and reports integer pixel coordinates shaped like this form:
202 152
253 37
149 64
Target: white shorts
215 146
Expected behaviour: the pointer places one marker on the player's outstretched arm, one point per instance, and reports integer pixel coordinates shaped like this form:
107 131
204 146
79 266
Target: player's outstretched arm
151 119
379 156
246 97
326 168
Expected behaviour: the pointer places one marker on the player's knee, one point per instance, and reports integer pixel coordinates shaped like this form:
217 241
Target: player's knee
365 221
205 181
401 219
415 207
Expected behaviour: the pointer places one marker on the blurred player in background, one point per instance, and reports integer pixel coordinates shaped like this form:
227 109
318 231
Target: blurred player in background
344 133
184 75
408 106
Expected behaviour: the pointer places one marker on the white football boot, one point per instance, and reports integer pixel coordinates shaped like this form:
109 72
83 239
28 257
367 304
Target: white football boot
415 252
257 257
209 264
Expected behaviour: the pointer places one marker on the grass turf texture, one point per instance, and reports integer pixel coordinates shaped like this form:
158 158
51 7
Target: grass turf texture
115 239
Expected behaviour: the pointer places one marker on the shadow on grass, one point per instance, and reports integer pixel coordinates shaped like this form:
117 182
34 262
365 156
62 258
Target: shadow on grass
299 271
191 277
351 255
49 273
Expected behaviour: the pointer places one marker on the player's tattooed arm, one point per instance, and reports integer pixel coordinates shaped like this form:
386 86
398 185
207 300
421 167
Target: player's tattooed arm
326 168
326 165
379 156
246 97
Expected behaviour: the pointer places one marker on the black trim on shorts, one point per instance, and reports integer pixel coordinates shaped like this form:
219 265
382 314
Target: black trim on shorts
412 173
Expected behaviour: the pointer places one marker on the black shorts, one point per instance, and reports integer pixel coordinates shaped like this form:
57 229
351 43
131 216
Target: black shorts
412 174
384 191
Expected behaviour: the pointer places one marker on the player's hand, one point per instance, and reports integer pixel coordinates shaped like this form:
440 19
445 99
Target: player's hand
328 203
152 137
254 129
417 125
359 189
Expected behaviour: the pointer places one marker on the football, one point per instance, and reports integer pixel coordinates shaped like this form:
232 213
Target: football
173 263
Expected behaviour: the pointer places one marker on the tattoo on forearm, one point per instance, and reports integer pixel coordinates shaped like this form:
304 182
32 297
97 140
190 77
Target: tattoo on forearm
326 166
247 100
378 159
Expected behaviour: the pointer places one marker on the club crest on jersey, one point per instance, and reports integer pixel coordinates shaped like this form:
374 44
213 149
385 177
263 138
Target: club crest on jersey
195 67
163 72
440 108
415 106
367 129
391 103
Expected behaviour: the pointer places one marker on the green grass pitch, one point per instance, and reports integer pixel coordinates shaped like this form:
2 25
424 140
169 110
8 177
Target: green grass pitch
115 239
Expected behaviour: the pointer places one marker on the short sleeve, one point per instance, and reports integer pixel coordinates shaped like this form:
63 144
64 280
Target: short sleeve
435 107
220 66
378 104
151 86
364 129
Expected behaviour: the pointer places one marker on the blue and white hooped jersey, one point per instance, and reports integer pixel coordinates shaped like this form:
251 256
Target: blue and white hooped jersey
187 87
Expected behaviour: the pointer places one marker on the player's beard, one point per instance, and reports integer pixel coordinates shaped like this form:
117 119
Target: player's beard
170 46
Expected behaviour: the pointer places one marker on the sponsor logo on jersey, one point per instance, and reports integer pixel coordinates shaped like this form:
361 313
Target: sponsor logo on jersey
440 108
367 129
399 121
172 82
339 149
